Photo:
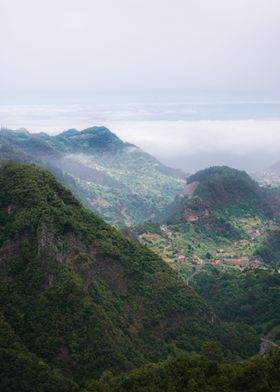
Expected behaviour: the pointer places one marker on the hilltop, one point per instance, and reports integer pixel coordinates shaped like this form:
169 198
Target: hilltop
221 188
224 217
222 238
82 298
89 140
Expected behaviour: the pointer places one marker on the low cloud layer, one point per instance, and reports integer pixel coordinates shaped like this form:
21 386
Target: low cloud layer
199 137
191 145
250 144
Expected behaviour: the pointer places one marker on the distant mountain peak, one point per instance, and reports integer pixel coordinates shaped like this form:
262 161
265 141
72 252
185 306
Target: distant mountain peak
69 133
93 138
6 131
98 130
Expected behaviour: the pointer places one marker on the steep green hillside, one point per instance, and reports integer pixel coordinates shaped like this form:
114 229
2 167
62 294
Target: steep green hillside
221 191
117 180
124 184
269 250
222 238
221 186
250 296
8 151
82 297
25 372
201 373
222 208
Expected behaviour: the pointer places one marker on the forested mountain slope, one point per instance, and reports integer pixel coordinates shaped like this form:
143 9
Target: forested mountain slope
201 373
224 216
81 297
117 180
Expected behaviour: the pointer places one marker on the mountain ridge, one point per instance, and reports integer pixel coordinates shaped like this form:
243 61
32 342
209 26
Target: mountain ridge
115 179
98 138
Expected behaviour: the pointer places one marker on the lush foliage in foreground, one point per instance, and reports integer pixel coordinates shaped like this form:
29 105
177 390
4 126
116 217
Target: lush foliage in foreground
270 249
250 296
197 373
83 298
21 371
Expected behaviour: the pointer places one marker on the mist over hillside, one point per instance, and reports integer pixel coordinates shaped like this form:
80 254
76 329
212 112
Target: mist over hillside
115 179
181 133
140 196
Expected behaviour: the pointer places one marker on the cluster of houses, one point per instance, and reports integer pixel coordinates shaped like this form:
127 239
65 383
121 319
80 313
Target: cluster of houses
181 258
220 257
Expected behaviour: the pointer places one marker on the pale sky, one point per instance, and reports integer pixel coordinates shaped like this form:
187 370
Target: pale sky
154 54
74 49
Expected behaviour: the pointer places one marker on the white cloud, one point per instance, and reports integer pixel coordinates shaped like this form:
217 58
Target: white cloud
169 131
170 139
247 143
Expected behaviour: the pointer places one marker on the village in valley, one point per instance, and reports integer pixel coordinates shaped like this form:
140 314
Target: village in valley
188 250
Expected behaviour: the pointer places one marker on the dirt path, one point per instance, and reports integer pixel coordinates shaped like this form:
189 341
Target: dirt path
266 345
197 270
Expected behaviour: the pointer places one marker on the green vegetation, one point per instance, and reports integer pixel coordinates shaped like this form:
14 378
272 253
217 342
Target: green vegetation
222 242
249 296
225 215
22 371
270 248
82 298
116 180
79 301
221 186
236 241
197 373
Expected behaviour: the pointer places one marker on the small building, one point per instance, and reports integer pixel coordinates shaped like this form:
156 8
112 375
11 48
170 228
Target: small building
181 258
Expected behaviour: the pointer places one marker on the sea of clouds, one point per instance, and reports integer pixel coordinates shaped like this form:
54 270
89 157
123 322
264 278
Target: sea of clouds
188 136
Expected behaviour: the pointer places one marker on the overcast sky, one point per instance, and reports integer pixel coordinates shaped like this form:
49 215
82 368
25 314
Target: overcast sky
74 49
156 59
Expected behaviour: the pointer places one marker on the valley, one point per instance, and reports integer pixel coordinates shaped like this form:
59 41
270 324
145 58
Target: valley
82 298
225 244
116 180
215 223
184 246
89 308
140 196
